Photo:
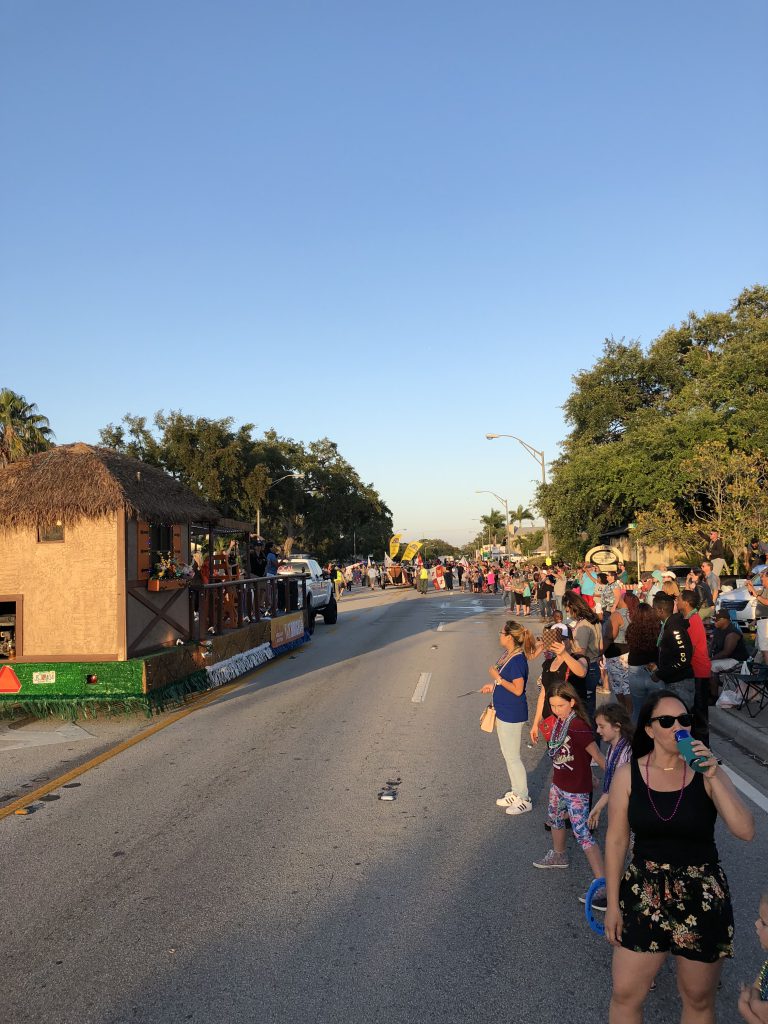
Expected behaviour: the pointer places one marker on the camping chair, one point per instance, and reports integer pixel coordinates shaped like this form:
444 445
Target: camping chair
752 687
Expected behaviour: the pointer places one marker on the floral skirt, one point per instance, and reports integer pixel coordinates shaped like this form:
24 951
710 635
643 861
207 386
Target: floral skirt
683 910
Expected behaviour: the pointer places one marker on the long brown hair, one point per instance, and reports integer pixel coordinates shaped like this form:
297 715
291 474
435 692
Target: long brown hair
567 692
523 637
643 630
579 607
618 716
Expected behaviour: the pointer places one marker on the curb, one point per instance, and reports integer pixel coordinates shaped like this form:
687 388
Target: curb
734 726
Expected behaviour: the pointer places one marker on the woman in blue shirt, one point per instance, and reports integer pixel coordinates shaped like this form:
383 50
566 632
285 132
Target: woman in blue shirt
510 675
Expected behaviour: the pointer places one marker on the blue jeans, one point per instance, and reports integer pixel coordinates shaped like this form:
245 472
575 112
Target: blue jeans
641 687
685 689
586 690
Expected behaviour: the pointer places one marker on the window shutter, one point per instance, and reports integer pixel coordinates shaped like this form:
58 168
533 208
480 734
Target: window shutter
144 560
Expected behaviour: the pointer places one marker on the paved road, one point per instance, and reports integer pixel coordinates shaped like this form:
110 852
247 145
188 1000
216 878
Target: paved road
238 866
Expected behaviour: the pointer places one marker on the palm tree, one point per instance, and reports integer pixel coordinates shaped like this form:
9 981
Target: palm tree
521 513
23 430
494 522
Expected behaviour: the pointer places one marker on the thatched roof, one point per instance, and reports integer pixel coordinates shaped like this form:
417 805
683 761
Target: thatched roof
77 481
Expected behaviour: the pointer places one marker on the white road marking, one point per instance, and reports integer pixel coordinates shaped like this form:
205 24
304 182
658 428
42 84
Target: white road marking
444 604
420 693
747 789
440 627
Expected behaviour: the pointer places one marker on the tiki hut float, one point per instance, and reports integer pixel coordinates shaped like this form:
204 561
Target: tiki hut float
120 584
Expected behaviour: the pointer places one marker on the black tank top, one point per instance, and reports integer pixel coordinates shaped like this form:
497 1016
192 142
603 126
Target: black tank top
689 838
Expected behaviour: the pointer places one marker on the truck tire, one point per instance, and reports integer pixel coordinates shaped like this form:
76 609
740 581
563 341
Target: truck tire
331 612
311 613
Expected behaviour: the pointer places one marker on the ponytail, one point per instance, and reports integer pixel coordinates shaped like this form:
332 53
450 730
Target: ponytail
523 637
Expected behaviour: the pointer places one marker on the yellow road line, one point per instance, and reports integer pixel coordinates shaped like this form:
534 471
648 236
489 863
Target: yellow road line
175 716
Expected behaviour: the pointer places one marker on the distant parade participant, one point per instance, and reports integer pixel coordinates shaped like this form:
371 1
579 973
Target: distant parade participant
338 581
423 579
449 576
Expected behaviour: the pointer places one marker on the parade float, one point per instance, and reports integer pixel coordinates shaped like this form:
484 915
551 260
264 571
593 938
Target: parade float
116 588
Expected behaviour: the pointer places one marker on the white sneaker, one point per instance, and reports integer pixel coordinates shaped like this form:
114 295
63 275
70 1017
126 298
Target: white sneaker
520 806
508 799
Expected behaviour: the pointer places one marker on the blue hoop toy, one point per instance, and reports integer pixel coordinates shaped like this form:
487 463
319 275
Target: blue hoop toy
597 926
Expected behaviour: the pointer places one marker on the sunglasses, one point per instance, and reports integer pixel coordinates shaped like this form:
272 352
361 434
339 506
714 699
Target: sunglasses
667 721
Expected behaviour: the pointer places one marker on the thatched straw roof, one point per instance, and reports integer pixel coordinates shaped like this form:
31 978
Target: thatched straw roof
77 481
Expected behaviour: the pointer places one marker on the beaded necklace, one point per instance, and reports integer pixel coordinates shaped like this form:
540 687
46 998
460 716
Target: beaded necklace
612 762
762 982
650 798
559 734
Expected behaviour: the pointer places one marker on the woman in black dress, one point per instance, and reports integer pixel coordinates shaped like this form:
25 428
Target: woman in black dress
674 896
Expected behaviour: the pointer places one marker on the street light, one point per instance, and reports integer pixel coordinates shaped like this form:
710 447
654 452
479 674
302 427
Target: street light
539 457
506 514
296 475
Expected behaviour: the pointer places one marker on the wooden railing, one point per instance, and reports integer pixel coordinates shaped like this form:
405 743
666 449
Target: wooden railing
231 604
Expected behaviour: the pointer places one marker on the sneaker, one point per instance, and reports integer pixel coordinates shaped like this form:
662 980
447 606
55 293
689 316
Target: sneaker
508 799
520 806
552 860
599 900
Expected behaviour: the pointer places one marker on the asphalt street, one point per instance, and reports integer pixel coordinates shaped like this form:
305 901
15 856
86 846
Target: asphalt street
239 866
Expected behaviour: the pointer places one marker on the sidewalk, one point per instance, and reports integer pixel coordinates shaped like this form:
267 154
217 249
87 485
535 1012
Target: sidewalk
749 733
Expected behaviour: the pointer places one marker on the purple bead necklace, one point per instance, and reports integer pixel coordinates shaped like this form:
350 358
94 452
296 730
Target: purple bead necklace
650 798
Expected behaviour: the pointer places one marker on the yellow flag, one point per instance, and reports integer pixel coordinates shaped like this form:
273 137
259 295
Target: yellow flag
394 545
411 550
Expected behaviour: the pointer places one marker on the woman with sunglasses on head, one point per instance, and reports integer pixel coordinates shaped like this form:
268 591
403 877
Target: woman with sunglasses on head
674 896
510 676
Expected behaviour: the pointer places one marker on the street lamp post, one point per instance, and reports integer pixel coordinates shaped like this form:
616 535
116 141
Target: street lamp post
539 457
296 474
505 503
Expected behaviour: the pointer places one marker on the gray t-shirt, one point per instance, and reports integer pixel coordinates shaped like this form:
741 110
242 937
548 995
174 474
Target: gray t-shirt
588 638
714 582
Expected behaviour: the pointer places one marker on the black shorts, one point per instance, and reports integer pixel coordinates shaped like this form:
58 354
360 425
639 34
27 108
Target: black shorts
526 602
683 910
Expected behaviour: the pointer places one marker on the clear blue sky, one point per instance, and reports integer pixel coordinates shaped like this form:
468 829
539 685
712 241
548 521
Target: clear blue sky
400 225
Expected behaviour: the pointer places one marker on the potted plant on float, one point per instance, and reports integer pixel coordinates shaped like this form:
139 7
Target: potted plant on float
168 574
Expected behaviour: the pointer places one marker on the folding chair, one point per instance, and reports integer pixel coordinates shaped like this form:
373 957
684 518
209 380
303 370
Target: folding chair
752 688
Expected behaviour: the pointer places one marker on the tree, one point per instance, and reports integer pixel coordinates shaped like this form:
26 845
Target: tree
530 543
434 547
494 522
308 495
23 430
723 490
521 513
637 417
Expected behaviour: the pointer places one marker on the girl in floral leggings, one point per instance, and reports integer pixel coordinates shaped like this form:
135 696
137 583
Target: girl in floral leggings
571 747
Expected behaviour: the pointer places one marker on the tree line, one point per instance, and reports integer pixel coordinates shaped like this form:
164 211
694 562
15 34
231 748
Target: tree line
307 497
672 439
304 496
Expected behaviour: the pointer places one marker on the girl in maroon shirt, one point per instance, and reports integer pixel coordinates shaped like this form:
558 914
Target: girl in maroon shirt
571 746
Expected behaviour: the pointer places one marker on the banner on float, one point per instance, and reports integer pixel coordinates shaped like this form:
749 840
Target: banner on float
411 550
394 545
286 628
